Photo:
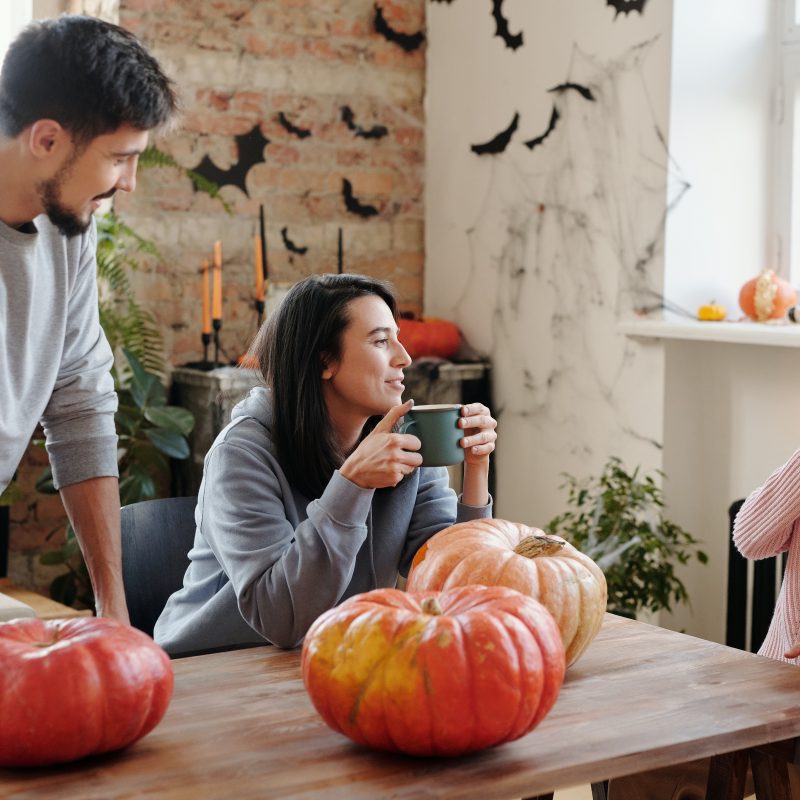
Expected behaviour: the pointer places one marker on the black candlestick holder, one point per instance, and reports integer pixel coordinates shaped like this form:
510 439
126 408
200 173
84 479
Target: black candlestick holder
206 338
260 312
217 326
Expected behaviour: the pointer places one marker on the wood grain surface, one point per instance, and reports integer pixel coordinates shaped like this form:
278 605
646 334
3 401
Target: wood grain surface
241 726
44 607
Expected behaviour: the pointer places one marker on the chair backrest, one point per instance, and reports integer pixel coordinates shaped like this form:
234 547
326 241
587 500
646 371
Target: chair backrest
156 538
761 595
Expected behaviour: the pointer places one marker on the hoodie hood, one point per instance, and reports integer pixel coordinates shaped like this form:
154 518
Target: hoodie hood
257 404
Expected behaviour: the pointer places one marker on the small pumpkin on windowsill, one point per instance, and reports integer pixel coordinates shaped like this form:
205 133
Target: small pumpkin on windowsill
712 312
429 336
767 297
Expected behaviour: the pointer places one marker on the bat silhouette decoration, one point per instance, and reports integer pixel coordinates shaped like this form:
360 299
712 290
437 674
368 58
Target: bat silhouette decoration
499 142
512 40
583 91
626 6
300 133
537 140
408 41
353 204
375 132
251 152
290 245
442 1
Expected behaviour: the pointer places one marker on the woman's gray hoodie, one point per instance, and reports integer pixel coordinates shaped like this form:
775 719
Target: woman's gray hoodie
266 562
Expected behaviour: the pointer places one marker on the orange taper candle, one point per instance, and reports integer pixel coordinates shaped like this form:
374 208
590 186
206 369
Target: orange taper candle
216 305
206 299
259 272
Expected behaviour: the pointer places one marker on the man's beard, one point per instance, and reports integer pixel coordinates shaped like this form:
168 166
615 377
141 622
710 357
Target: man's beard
66 220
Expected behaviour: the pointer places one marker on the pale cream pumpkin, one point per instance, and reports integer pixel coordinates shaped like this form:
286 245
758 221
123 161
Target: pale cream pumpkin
496 552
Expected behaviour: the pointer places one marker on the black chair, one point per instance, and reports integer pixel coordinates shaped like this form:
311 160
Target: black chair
762 598
156 538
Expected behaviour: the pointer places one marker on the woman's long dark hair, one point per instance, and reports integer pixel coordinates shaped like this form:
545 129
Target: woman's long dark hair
306 328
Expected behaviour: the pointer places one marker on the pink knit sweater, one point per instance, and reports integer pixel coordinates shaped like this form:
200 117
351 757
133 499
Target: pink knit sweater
768 524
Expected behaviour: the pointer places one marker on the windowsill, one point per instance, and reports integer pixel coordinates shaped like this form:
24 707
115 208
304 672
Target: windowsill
668 326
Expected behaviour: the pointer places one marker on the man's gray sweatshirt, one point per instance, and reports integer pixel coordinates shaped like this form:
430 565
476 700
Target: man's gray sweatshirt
266 561
54 357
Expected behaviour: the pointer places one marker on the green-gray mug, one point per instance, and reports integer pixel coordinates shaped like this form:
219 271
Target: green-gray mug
436 426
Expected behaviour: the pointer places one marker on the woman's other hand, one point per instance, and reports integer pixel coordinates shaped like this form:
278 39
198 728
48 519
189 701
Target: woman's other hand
384 458
480 433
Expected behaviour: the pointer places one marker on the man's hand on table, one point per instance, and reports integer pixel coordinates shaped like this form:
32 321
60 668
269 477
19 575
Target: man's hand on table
93 507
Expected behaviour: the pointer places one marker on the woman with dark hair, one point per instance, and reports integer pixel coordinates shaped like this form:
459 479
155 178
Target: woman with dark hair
310 495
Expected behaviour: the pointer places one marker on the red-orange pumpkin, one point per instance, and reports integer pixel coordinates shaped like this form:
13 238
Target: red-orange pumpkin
77 687
767 297
429 337
434 674
495 552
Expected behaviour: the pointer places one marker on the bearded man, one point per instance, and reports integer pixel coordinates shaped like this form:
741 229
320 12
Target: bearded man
78 99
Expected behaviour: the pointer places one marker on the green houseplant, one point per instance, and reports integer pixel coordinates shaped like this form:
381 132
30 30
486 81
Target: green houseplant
617 520
150 432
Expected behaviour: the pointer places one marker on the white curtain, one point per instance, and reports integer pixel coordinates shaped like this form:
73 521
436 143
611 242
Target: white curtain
14 15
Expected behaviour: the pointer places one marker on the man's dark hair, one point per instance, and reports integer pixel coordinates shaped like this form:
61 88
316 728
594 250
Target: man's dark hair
294 344
88 75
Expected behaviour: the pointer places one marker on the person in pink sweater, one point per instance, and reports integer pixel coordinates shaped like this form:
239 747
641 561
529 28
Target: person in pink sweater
767 525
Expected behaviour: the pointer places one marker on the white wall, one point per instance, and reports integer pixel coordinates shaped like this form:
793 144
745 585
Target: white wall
13 17
535 253
731 419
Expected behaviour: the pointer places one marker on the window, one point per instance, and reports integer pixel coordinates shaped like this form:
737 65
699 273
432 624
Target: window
13 17
787 149
722 152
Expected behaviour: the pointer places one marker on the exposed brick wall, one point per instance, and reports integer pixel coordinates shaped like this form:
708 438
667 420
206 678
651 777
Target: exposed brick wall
238 63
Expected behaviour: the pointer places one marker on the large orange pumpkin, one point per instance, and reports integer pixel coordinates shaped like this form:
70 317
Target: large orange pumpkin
434 674
495 552
77 687
429 337
766 297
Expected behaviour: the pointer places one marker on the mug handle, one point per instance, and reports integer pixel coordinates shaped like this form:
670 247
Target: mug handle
406 426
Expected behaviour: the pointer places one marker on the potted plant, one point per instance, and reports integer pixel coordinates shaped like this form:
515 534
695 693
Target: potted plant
150 432
617 520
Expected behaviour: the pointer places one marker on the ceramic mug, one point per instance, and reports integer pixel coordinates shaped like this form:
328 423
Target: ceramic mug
436 426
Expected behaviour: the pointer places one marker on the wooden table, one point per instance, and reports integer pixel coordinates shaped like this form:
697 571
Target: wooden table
241 726
44 607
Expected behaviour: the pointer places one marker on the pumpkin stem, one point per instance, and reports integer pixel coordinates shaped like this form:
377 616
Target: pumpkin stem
430 605
539 544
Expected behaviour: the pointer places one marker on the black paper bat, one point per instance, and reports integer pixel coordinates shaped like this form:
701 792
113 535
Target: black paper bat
375 132
442 1
583 91
626 6
251 151
300 133
290 245
512 40
500 142
536 141
352 204
408 41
